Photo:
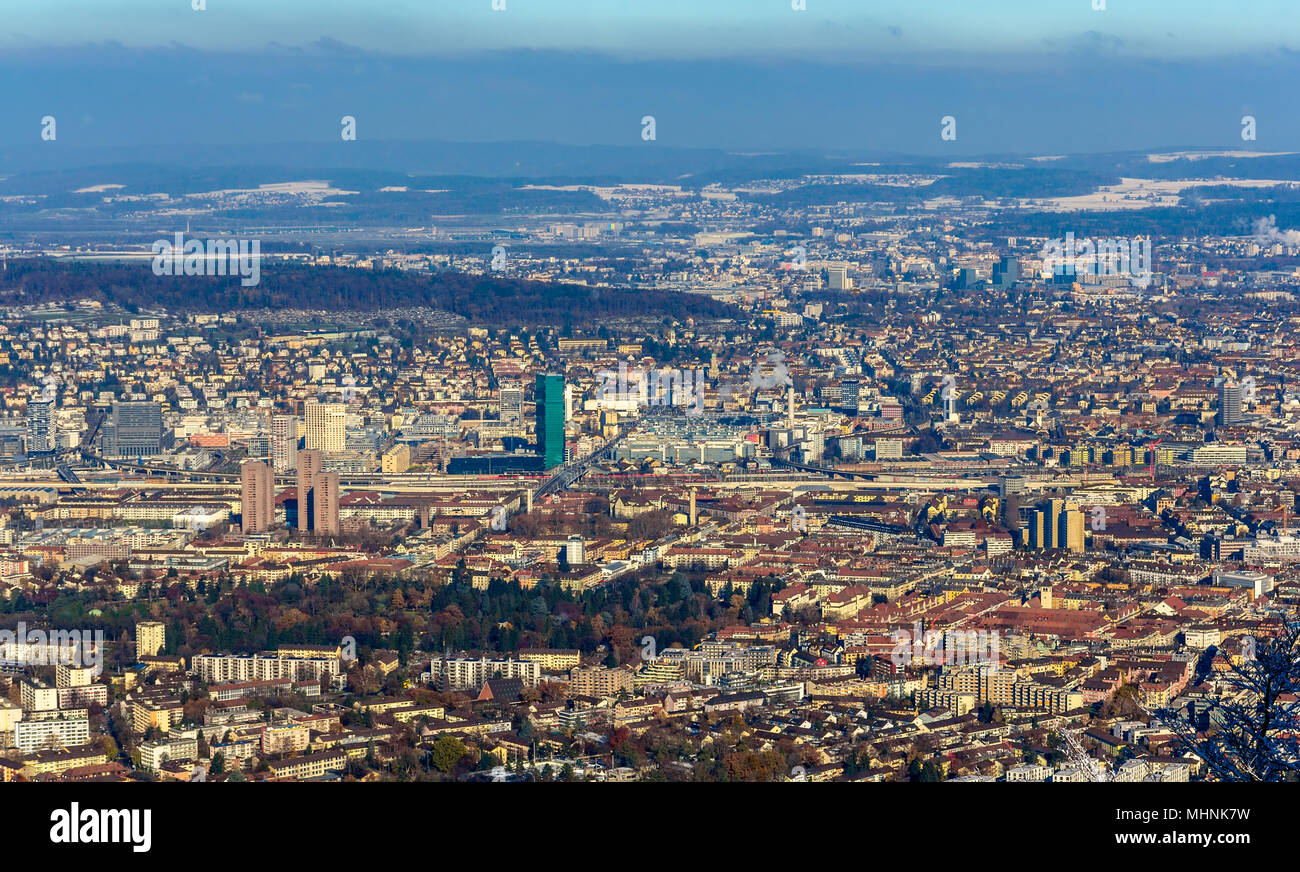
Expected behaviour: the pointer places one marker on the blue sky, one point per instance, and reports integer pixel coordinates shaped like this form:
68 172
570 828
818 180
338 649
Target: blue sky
841 29
1021 76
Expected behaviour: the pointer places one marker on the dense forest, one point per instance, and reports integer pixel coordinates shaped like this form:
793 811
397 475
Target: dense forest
410 613
484 300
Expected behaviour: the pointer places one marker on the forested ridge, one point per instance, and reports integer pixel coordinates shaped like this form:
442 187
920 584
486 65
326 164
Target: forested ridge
482 299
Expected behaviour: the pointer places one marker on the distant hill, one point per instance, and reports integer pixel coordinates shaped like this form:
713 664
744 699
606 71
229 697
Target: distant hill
483 300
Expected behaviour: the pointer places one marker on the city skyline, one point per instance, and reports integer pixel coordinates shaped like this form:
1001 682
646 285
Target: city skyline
607 392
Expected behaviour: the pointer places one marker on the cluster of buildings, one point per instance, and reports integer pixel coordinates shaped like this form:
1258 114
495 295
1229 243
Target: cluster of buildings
950 510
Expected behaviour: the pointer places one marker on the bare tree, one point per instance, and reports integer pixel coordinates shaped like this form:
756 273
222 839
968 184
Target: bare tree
1252 731
1080 759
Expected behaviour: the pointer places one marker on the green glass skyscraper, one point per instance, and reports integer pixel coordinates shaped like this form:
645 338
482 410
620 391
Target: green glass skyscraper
550 419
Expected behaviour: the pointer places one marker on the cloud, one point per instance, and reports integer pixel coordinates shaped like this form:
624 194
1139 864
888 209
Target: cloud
329 44
1098 39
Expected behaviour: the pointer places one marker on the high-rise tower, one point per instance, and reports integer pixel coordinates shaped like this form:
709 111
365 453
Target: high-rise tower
284 443
550 419
310 463
325 425
257 496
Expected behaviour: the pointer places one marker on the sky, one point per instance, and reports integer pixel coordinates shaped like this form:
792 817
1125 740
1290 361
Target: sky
1020 76
843 29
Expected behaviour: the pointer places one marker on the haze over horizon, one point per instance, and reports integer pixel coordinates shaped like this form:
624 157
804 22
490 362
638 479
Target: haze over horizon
1019 79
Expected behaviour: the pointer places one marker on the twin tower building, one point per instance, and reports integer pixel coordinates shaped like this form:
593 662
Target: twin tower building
318 495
